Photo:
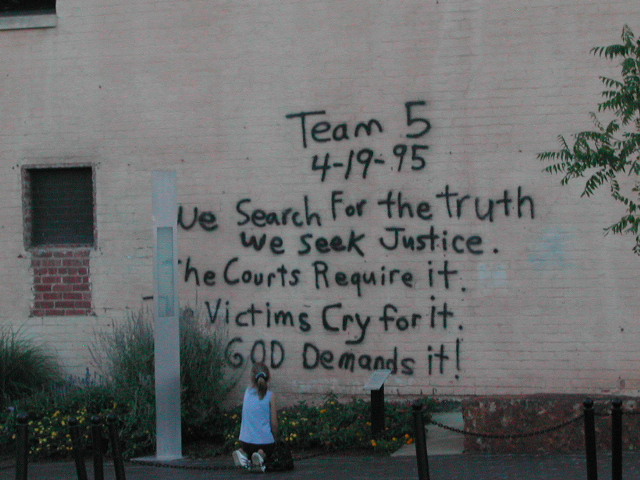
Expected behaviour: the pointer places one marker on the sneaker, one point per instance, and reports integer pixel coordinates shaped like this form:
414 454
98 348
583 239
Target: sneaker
257 462
240 459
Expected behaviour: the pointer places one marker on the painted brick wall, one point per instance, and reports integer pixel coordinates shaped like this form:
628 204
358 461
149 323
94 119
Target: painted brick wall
528 297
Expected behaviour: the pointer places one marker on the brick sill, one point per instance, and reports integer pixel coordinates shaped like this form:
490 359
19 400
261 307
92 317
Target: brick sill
61 313
21 22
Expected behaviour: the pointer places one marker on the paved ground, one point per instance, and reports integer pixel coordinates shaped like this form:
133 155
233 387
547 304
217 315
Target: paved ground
446 462
440 441
441 467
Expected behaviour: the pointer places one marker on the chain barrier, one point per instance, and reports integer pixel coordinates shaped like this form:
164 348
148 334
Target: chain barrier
527 434
608 413
533 433
510 435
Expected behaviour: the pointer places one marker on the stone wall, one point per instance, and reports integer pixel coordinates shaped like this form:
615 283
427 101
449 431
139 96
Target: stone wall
520 415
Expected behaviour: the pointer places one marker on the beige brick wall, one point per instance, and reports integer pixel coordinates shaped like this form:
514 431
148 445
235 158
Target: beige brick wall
204 88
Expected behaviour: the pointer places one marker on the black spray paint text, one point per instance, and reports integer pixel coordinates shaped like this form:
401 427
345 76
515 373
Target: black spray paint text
334 318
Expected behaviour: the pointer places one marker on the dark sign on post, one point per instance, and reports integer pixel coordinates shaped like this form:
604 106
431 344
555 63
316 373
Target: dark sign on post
376 386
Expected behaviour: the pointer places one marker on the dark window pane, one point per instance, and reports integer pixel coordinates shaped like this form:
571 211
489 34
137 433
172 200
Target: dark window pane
61 206
27 6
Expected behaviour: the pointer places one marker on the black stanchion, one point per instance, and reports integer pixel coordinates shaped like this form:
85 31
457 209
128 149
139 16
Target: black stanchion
22 446
421 442
118 463
78 451
377 412
616 439
96 438
590 440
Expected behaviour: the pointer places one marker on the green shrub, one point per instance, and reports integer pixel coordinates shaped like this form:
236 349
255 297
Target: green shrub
50 411
334 425
25 366
206 379
126 356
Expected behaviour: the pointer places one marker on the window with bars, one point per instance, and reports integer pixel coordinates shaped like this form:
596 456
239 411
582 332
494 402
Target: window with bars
27 7
59 207
27 14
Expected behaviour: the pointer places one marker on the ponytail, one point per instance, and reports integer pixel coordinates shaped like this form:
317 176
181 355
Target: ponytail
260 373
261 383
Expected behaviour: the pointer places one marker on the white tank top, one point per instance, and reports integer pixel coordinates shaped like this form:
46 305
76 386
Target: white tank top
256 418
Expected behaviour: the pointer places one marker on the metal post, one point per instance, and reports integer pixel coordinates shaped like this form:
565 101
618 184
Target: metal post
421 442
96 439
377 412
616 439
78 452
118 463
590 440
22 446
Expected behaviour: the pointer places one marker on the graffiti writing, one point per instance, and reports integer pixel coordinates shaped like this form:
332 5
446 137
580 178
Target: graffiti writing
364 275
323 131
271 353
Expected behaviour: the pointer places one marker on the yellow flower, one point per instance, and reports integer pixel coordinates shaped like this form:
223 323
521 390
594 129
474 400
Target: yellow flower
324 410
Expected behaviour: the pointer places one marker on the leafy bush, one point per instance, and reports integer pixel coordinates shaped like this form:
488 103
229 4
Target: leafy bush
126 356
608 155
334 425
25 366
127 389
50 411
206 380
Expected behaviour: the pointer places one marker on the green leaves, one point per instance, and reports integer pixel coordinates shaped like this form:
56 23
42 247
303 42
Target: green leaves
613 148
25 366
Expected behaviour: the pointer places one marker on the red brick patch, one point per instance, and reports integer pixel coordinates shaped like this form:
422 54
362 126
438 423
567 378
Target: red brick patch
61 282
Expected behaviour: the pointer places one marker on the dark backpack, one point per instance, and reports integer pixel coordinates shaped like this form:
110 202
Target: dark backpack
280 459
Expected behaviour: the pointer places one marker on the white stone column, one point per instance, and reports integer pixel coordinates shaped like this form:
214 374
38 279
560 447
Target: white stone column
167 314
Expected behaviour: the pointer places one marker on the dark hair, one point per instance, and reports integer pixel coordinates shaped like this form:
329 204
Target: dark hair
260 378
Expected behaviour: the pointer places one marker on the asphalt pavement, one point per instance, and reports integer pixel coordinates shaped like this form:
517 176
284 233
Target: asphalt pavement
446 461
332 467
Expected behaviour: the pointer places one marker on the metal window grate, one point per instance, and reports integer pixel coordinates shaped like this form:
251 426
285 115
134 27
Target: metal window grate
61 206
27 7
